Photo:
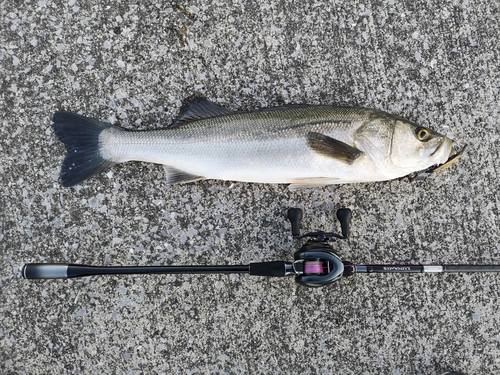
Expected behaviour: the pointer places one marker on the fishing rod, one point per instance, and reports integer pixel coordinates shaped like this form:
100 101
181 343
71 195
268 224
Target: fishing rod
315 263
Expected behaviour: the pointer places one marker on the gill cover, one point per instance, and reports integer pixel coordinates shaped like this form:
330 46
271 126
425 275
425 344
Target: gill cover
374 138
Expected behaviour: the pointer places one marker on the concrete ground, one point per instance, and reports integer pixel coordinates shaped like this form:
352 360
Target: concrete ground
134 63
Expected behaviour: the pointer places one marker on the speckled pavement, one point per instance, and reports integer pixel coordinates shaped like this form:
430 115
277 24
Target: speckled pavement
134 64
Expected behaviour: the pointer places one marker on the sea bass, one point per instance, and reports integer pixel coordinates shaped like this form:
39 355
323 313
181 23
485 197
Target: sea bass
297 144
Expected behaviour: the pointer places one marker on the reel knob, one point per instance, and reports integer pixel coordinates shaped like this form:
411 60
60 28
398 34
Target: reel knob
344 215
295 217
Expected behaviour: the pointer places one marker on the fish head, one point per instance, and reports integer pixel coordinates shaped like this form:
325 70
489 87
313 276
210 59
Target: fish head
416 147
398 147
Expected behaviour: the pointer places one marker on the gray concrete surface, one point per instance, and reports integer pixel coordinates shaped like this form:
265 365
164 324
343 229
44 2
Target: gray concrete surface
133 63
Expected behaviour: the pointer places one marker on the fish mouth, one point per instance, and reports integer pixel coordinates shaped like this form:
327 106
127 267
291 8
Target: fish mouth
452 158
443 142
438 147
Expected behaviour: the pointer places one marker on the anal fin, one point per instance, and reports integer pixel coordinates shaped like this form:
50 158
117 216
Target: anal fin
175 176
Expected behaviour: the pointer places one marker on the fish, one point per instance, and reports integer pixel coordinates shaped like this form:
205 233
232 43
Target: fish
300 145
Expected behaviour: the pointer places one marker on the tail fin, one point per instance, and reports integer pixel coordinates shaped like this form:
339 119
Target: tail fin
80 134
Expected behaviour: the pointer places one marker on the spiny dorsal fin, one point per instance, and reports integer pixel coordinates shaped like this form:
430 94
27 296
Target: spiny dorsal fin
332 148
197 109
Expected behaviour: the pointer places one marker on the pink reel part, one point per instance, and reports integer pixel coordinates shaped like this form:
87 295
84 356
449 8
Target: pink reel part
313 267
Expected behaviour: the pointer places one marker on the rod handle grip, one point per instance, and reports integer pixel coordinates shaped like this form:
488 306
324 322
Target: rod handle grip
45 271
273 269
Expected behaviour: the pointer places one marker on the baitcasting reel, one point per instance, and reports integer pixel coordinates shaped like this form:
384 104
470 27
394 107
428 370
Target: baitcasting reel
315 262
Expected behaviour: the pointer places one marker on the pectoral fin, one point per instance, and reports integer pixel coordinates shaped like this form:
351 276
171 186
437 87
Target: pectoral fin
333 148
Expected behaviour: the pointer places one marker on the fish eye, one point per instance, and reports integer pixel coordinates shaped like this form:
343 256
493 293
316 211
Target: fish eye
422 134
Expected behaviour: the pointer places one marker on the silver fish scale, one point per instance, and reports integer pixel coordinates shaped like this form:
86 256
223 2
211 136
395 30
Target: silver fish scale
240 144
277 123
267 124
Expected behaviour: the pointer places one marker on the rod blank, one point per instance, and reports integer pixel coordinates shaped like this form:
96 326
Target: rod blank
416 268
471 268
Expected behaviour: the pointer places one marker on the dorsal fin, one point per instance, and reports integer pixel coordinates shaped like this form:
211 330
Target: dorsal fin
197 109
